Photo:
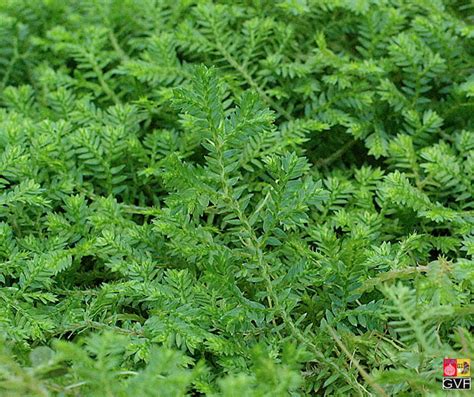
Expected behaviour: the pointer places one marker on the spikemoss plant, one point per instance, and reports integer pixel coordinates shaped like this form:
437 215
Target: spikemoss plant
235 198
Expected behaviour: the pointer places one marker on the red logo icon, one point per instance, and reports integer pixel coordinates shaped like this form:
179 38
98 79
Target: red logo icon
450 367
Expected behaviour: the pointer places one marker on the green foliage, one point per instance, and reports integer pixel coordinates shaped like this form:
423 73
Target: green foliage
234 198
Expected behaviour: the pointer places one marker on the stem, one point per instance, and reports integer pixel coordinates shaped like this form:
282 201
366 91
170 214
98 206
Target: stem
100 76
328 160
246 75
116 46
391 275
362 371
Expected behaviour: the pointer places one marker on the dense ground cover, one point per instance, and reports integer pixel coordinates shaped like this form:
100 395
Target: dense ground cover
235 198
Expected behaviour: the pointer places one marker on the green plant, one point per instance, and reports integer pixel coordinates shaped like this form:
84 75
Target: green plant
234 197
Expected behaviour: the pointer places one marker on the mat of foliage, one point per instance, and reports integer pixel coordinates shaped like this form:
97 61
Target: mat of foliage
235 198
